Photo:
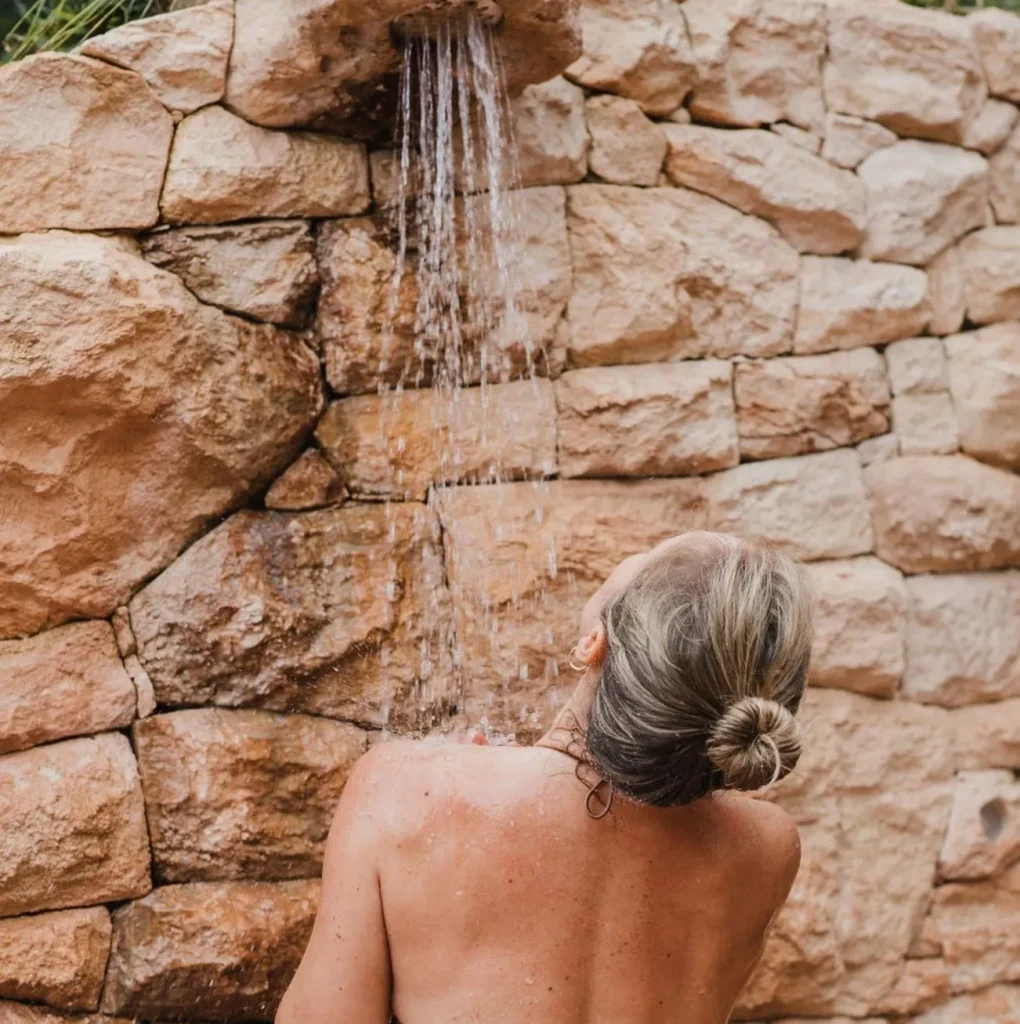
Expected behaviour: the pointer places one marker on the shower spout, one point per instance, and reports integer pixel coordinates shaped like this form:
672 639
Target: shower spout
425 22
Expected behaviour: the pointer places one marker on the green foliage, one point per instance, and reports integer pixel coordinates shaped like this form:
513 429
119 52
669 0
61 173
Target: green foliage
963 6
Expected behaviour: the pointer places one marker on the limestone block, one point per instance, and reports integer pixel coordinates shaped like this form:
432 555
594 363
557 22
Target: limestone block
402 444
944 513
999 1004
991 271
917 366
984 378
223 169
1005 181
242 794
922 984
309 483
66 682
849 140
161 429
799 137
983 836
72 826
626 147
264 270
663 273
992 127
997 37
83 146
759 61
144 694
19 1013
818 208
878 449
638 49
947 292
183 55
550 134
988 735
220 952
334 612
860 620
813 507
962 643
848 303
654 420
57 958
913 71
925 424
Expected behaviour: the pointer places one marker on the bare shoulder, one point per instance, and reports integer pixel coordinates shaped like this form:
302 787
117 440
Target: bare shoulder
774 838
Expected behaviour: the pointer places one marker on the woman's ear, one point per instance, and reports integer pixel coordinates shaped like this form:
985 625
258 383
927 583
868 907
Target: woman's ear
593 647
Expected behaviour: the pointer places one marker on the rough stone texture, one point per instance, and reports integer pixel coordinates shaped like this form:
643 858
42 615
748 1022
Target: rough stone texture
264 270
922 197
183 55
226 952
984 378
803 404
318 612
661 273
67 682
917 366
924 983
651 420
878 449
848 303
241 794
962 643
160 427
19 1013
759 61
223 169
638 49
72 826
991 271
849 141
947 292
818 208
997 36
925 424
913 71
860 621
626 147
1004 183
999 1004
402 444
992 127
550 134
983 836
799 137
82 146
311 482
987 737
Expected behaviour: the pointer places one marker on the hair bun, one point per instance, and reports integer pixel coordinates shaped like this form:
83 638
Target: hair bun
754 743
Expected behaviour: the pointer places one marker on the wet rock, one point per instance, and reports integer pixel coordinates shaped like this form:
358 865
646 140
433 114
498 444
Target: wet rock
655 420
161 427
849 141
860 620
944 513
848 303
997 37
550 134
264 270
57 958
991 270
226 951
663 273
183 55
947 293
922 197
986 735
917 366
626 147
818 208
242 794
759 61
325 612
309 483
83 146
925 424
224 169
913 71
67 682
983 836
961 644
1005 181
72 826
999 1004
638 49
992 127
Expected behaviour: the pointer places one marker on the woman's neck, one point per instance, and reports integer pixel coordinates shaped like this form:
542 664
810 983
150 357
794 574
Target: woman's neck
566 734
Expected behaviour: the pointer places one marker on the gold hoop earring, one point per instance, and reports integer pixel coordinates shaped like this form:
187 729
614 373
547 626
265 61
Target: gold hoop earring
572 656
607 804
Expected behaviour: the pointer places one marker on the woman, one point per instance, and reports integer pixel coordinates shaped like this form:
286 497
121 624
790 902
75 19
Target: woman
609 874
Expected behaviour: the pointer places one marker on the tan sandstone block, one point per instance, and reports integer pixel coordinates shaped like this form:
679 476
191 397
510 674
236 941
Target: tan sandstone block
264 270
925 424
922 197
218 952
944 513
222 169
626 147
309 483
878 449
1004 185
992 127
550 134
983 836
991 270
183 55
988 735
947 292
66 682
72 826
860 622
923 983
161 429
336 612
19 1013
663 273
849 140
997 36
242 794
818 208
917 366
759 61
999 1004
962 642
82 146
799 137
656 420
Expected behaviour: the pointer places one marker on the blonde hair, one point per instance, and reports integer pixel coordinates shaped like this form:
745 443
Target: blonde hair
708 652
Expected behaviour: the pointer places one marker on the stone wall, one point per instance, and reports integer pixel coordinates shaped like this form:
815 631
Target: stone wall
772 250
